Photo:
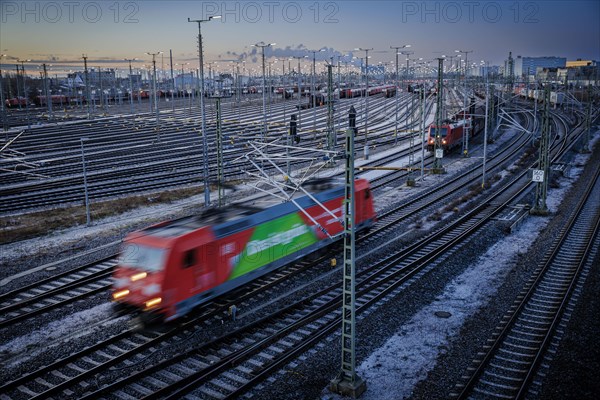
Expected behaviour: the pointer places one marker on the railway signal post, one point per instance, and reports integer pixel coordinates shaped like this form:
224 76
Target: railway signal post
348 383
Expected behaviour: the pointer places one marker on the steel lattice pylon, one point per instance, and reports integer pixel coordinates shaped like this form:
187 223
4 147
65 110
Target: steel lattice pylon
437 161
347 382
541 190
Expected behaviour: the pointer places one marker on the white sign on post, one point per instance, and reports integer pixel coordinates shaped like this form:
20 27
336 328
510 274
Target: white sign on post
537 175
439 153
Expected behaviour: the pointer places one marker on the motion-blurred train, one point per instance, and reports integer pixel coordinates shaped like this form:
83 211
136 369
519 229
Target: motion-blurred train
169 268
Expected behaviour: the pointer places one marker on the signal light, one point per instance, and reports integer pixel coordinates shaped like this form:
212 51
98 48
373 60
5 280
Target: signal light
294 129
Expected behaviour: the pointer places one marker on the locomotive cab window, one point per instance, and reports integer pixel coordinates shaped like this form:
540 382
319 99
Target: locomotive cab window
367 194
443 131
189 258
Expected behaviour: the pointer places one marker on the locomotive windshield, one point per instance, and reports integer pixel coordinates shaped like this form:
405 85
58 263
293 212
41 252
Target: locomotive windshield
150 259
443 131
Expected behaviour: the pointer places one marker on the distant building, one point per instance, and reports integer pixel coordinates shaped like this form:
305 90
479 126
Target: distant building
580 63
186 81
547 74
96 78
73 81
492 70
102 77
530 65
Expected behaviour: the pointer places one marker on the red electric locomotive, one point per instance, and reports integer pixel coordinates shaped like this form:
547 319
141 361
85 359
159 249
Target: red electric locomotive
167 269
451 133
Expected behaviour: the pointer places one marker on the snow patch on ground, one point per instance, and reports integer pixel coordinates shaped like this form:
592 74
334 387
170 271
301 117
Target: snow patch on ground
409 355
412 352
57 332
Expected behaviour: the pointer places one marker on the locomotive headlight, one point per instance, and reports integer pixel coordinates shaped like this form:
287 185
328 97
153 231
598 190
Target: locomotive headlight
139 276
153 302
444 141
120 293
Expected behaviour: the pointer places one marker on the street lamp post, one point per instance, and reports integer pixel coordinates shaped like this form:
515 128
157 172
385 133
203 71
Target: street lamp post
130 83
101 91
397 48
204 139
47 93
87 87
366 148
4 121
465 149
25 91
262 46
172 81
449 71
155 91
299 87
407 54
313 89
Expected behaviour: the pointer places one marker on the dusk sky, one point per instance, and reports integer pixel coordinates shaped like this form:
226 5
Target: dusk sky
59 32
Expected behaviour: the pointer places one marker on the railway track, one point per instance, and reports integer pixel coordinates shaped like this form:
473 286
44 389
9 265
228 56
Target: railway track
55 291
112 170
508 363
227 362
39 299
49 376
81 365
235 362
